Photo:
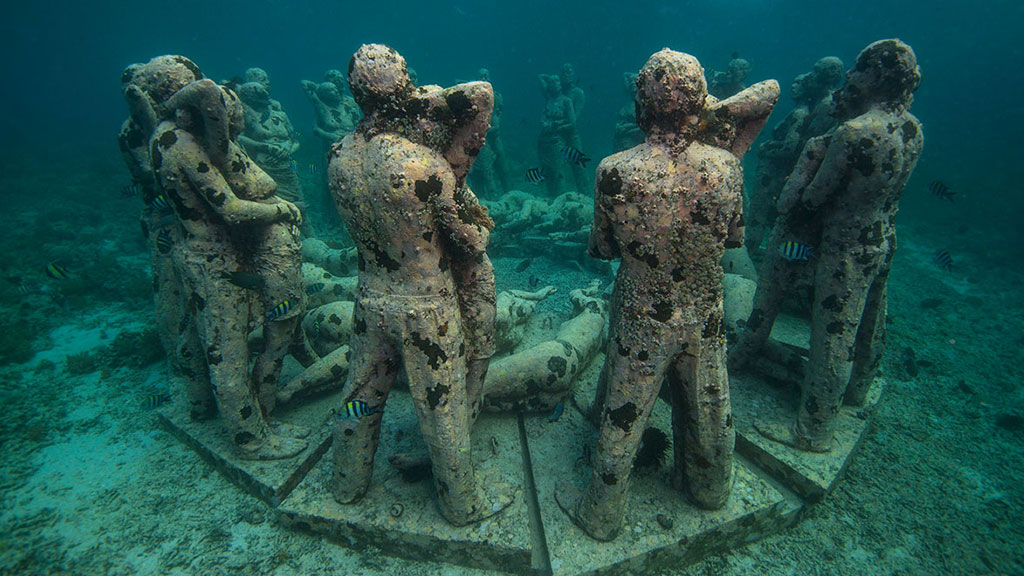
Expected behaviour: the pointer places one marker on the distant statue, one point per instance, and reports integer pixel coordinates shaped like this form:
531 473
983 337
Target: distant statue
269 138
238 240
335 111
558 145
812 116
724 84
669 208
627 133
490 171
838 209
408 314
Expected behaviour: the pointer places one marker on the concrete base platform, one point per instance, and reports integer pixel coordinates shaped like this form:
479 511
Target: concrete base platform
811 475
270 480
760 401
757 507
400 518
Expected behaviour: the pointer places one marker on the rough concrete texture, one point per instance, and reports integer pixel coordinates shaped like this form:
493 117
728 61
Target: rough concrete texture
270 481
400 518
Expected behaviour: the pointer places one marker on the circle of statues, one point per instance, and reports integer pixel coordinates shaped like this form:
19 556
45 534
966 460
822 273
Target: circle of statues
241 281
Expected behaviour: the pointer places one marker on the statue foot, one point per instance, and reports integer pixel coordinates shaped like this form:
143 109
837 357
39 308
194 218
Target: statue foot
289 430
495 496
569 499
273 447
785 434
405 461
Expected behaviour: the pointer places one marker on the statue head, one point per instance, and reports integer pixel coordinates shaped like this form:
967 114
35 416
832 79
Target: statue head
161 77
378 75
337 78
254 94
885 73
550 85
738 69
483 74
670 89
328 93
258 75
568 77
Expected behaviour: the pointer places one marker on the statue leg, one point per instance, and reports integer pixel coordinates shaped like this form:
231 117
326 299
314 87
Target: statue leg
870 343
434 362
373 368
772 287
633 386
474 279
838 309
703 435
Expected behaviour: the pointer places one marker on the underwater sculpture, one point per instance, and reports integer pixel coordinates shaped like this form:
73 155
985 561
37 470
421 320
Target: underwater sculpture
146 87
399 184
335 111
724 84
269 138
238 240
841 200
627 134
812 116
557 131
669 208
490 171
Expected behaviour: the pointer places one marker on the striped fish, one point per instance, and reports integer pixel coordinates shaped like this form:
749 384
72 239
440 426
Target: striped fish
294 165
794 251
534 176
280 310
944 259
314 288
940 190
356 409
314 168
155 400
316 329
164 242
56 271
130 191
574 156
160 203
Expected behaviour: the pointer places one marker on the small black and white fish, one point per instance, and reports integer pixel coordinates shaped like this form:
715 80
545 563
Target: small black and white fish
316 329
294 165
280 310
56 271
355 409
534 176
160 203
557 412
575 156
246 280
941 191
794 251
314 168
130 191
155 400
314 288
164 242
524 264
944 259
534 281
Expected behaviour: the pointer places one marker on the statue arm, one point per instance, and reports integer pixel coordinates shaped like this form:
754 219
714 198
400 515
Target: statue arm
602 237
466 231
832 171
215 190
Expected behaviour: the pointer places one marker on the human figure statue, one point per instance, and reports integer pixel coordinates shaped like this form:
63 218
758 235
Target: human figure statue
669 208
335 111
490 171
569 84
414 229
627 133
841 200
724 84
237 240
557 131
812 116
269 138
145 88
